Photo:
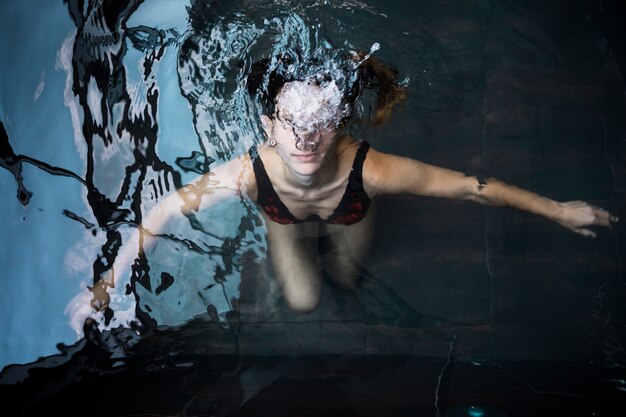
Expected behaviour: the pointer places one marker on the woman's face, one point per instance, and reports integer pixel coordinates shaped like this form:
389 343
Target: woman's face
305 126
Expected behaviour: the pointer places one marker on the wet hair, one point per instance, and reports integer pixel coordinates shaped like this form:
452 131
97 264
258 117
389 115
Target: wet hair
363 72
381 77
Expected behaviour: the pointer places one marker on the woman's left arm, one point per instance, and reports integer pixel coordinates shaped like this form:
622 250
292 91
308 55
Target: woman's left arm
391 174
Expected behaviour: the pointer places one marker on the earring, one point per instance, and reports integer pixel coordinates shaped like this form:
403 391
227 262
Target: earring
272 142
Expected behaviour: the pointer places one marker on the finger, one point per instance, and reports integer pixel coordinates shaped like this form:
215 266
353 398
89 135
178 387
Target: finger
602 218
606 218
99 305
599 211
585 232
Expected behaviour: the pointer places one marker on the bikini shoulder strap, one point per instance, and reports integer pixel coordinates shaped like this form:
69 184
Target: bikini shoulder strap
356 175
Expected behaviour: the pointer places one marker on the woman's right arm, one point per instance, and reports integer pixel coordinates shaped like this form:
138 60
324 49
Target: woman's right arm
225 182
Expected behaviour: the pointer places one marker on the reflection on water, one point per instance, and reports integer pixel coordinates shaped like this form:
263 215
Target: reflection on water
121 130
215 339
115 112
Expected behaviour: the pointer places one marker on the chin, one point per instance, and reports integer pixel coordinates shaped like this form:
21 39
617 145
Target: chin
306 168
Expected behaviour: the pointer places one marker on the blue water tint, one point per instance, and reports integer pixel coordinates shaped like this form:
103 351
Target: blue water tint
48 262
36 238
175 119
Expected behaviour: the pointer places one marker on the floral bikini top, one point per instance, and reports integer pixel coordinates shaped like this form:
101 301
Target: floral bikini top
351 209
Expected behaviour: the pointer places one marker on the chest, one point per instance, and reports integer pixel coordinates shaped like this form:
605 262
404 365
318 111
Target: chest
321 202
337 190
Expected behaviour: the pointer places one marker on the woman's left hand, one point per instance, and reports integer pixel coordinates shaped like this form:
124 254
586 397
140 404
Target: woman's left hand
577 215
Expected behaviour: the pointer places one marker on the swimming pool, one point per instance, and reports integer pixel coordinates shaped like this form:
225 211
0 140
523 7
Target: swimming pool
107 106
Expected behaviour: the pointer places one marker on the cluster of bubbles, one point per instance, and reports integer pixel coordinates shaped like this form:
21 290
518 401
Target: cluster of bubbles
319 96
215 64
313 104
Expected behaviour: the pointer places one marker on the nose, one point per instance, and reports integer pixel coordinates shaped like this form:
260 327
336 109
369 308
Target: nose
308 142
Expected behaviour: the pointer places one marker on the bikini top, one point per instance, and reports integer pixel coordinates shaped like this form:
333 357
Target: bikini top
351 209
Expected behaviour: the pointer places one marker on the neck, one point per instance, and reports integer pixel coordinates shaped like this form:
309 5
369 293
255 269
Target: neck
296 179
326 172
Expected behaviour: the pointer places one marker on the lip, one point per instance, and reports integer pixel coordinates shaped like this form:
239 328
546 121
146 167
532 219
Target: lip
309 157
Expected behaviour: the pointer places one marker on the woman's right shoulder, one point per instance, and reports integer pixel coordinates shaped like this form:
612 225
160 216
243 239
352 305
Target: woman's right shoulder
236 174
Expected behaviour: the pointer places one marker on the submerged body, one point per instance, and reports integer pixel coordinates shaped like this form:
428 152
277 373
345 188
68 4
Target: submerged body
317 186
322 226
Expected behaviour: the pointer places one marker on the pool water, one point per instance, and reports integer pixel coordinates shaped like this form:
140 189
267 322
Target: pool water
461 309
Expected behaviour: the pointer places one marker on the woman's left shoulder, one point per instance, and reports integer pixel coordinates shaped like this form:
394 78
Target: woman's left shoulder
375 169
385 173
374 160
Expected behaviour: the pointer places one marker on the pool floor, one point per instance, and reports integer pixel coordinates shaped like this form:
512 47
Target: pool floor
148 381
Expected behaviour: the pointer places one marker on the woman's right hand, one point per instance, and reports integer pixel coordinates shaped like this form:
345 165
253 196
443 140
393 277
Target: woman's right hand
101 298
578 215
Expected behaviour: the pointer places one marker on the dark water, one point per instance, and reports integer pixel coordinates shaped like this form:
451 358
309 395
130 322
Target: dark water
176 372
458 306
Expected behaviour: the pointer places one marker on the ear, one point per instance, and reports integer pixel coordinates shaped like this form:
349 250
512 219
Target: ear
267 123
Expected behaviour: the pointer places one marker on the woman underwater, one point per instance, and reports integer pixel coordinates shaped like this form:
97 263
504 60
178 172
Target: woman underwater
317 184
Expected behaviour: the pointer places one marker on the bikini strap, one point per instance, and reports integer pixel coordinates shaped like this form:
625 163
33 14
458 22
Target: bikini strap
267 197
263 180
355 180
